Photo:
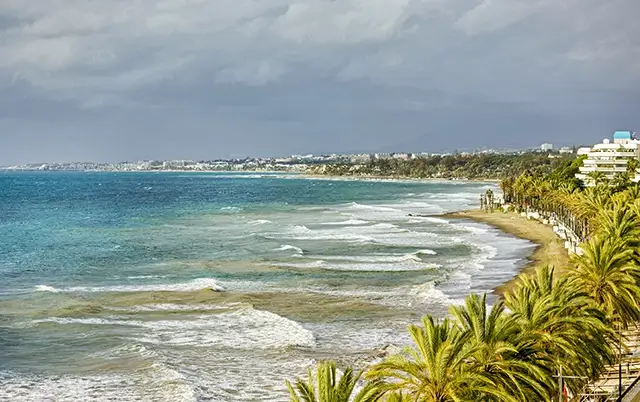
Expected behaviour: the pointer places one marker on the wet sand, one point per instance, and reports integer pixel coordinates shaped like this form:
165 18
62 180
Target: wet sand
549 251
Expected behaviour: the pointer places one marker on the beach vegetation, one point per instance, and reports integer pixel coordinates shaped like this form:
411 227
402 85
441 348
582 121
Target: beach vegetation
487 166
327 385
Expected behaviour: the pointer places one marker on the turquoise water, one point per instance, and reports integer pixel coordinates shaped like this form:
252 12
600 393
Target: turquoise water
189 287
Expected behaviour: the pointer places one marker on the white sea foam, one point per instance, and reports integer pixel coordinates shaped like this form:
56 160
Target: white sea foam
406 264
428 293
322 235
383 226
231 209
378 258
259 222
357 206
47 288
460 280
176 307
299 229
287 247
243 328
194 285
472 229
433 219
146 276
156 382
350 222
425 252
488 251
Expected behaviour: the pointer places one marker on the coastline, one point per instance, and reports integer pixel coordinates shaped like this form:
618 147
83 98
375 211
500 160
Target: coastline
549 248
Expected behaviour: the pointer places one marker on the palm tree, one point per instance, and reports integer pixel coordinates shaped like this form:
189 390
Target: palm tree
507 189
619 221
630 194
559 328
330 389
621 181
439 368
492 333
632 167
605 272
591 201
598 177
398 397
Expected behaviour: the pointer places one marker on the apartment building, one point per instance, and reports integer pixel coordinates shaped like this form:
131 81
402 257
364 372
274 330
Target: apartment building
610 158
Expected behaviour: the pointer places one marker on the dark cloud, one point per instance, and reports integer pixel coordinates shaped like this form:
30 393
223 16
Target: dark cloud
116 80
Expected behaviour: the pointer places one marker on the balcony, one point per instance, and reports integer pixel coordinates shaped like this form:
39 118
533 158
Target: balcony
607 162
611 154
603 169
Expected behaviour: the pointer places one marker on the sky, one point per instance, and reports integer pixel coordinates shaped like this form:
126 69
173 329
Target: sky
115 80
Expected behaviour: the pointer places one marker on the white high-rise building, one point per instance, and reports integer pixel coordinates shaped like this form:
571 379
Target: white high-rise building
546 147
611 158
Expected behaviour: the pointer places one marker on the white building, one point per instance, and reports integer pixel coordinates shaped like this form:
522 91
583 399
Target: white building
402 155
611 158
566 150
546 147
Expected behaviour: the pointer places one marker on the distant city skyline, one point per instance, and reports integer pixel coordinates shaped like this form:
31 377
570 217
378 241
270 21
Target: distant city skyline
108 81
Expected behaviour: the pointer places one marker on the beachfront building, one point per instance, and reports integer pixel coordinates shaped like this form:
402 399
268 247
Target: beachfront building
611 158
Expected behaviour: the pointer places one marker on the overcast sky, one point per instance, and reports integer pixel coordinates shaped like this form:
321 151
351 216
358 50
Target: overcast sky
110 80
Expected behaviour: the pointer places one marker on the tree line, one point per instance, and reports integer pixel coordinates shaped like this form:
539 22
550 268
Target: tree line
458 166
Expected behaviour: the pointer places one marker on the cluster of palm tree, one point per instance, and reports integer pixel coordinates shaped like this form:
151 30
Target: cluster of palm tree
552 334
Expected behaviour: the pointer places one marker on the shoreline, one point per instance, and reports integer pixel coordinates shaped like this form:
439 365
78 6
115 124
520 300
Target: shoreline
549 249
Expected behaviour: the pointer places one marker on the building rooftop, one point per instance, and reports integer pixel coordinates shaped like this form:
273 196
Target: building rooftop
622 135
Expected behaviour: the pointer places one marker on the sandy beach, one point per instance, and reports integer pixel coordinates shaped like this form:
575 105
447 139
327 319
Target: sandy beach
549 250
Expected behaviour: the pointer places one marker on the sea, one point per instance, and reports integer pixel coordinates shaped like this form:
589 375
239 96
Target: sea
220 286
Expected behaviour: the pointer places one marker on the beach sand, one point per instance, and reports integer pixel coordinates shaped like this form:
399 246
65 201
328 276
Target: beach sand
549 251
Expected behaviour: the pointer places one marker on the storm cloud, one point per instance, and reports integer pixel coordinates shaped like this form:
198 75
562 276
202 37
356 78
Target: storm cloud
110 80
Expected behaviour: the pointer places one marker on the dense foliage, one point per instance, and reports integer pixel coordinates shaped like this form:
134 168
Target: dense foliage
459 166
560 320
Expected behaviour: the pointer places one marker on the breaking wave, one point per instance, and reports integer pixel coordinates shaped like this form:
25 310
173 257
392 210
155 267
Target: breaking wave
243 328
287 247
194 285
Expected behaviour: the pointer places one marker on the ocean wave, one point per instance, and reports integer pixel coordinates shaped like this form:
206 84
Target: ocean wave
472 229
461 280
383 226
299 229
47 288
346 237
477 262
408 263
379 258
194 285
350 222
374 258
428 293
231 209
259 222
147 308
355 205
425 252
153 382
245 328
146 276
287 247
488 250
433 219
